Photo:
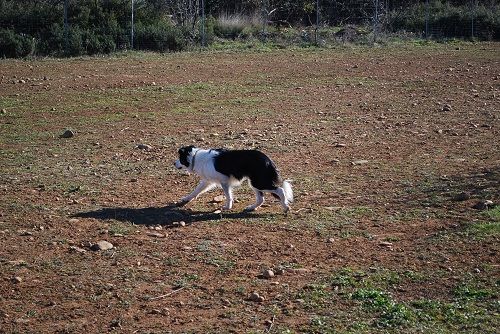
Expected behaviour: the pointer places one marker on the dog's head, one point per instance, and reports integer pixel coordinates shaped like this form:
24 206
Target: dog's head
185 157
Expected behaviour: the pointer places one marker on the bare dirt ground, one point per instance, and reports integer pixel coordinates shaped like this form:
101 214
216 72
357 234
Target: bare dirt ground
388 148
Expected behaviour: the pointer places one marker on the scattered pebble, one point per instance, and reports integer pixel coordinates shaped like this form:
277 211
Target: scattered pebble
144 147
463 196
359 162
385 244
255 297
16 280
483 205
331 240
102 245
279 271
267 274
219 199
4 111
77 249
446 107
156 234
67 134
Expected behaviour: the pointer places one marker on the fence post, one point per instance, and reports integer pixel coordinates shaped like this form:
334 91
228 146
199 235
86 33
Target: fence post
66 26
317 24
132 27
375 22
426 19
203 20
473 4
265 14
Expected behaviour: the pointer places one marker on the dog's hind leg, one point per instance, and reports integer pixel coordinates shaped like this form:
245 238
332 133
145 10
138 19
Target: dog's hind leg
201 188
259 197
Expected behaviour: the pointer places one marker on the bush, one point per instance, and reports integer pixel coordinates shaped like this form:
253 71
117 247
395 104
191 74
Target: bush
231 26
14 45
161 36
446 20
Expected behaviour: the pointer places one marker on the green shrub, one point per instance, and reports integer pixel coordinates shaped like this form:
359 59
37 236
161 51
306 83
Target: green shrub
14 45
161 36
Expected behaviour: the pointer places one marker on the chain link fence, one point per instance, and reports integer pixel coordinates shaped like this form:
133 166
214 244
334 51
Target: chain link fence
71 27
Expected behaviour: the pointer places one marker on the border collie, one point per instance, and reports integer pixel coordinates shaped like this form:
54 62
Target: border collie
228 169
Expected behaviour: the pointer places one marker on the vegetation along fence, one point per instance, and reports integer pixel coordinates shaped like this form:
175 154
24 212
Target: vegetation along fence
78 27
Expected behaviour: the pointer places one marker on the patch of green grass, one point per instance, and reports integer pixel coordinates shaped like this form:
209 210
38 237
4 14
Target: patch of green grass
372 297
493 214
185 281
483 229
314 295
469 291
121 228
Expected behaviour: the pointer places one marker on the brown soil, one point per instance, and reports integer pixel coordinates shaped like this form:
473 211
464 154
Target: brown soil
314 112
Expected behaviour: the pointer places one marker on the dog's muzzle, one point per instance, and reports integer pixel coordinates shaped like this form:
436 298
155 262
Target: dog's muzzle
178 165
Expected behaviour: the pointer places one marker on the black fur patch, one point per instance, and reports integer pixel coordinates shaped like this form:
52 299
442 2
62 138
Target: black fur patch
184 153
252 164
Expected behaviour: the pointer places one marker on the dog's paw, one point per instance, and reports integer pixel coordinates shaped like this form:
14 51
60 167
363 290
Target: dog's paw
182 202
249 208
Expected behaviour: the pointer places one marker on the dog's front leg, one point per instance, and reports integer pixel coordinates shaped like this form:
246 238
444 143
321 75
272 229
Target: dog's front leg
228 192
201 188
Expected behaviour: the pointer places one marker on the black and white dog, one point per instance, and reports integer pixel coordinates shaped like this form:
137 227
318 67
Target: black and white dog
228 169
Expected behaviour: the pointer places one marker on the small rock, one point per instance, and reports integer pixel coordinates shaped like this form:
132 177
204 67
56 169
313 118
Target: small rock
359 162
331 240
67 134
217 211
156 235
446 107
144 147
102 245
483 205
297 270
77 249
18 263
219 199
279 271
267 274
340 145
385 244
255 297
182 223
463 196
4 111
16 280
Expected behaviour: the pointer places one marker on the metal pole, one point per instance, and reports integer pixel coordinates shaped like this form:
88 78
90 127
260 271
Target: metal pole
426 19
473 12
132 28
317 22
203 37
375 22
66 26
264 19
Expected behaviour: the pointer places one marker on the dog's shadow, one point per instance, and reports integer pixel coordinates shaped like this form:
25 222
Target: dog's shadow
168 216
